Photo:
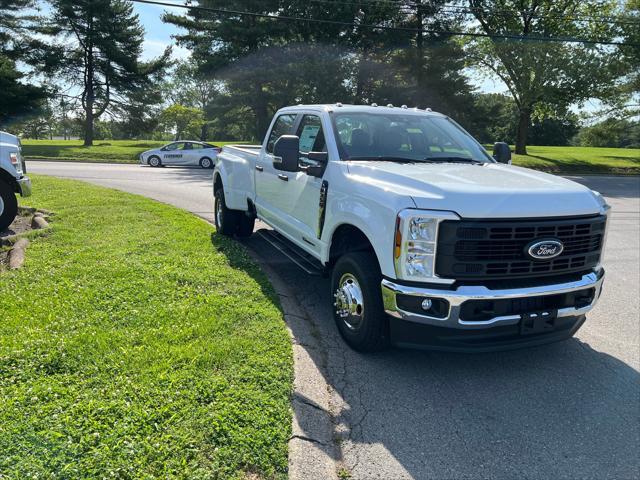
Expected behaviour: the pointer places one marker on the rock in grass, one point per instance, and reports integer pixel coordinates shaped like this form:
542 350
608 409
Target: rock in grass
17 254
39 222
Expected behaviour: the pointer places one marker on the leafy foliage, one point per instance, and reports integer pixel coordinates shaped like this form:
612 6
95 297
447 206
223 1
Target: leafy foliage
543 74
184 121
266 64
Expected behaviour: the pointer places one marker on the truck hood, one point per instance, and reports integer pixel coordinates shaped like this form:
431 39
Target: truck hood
489 190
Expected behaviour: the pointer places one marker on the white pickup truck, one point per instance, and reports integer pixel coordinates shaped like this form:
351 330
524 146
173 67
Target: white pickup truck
12 178
428 239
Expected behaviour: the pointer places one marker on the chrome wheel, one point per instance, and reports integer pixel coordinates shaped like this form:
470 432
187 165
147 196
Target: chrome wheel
205 163
349 301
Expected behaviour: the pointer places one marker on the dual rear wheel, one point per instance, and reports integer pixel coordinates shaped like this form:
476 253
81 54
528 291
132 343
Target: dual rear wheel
231 222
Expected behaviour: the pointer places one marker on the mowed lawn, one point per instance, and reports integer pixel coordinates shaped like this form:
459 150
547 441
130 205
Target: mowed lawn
117 151
551 159
137 343
581 160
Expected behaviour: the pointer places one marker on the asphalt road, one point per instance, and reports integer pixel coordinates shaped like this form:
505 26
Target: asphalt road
568 410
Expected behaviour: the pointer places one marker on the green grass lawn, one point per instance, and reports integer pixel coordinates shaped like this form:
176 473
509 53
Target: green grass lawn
116 151
137 343
551 159
581 160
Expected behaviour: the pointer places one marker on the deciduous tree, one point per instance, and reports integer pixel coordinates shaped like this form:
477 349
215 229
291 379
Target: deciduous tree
539 73
103 56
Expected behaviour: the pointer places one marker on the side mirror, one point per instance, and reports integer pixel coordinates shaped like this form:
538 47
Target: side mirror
502 152
321 158
286 152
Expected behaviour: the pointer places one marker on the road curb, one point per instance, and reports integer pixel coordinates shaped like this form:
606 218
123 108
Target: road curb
313 452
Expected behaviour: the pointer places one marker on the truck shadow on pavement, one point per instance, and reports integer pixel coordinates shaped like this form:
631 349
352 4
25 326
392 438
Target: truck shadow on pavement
558 410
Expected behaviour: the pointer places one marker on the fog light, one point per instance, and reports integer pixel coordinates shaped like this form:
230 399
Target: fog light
427 304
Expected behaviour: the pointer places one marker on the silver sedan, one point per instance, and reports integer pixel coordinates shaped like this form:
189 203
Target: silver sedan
182 153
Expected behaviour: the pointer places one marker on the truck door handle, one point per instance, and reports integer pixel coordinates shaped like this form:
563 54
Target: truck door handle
260 168
283 177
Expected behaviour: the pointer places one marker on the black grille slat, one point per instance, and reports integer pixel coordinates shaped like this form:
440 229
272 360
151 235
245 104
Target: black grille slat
497 249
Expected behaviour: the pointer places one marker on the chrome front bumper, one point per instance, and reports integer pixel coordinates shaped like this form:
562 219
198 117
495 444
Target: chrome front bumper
457 297
24 184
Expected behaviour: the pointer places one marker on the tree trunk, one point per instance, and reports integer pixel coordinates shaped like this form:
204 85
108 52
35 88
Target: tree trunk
262 115
203 132
523 127
89 99
419 65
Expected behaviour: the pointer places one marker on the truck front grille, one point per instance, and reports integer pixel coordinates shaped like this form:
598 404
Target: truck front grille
477 249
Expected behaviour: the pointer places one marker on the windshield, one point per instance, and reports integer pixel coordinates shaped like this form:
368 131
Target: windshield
394 137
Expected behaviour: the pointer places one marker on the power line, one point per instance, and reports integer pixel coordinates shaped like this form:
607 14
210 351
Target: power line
222 11
616 20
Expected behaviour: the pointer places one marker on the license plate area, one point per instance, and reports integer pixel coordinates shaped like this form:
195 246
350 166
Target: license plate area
538 322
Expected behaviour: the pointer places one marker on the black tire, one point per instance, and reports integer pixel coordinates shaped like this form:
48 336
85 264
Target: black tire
366 327
206 162
154 161
245 225
8 205
227 220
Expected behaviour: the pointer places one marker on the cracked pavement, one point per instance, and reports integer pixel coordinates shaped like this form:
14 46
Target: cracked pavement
567 410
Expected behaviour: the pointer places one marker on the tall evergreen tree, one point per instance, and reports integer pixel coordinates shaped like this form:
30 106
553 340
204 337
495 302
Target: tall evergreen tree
268 63
19 22
103 55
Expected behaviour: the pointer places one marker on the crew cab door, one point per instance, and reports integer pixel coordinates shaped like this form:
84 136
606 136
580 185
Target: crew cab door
302 204
271 184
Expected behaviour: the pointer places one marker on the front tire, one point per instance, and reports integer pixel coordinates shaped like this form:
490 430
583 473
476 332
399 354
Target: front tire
8 205
358 310
155 161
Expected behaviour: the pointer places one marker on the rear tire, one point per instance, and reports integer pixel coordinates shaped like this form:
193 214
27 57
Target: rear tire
8 205
358 310
206 163
227 220
245 225
154 161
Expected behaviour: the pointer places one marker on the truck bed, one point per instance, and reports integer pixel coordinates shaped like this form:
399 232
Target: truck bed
250 149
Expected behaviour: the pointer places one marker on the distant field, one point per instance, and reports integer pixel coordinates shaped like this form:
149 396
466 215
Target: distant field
581 160
116 151
550 159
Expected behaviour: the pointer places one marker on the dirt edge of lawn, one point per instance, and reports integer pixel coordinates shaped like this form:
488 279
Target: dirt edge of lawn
136 342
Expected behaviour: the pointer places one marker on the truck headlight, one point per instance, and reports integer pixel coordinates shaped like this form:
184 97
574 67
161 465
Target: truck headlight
416 243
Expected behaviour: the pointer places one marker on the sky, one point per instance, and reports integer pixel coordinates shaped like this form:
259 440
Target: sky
158 34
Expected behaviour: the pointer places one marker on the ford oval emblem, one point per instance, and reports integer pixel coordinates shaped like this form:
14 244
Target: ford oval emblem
545 249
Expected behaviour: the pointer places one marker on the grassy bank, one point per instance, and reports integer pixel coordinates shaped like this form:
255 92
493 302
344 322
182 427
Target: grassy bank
136 343
112 151
561 160
593 160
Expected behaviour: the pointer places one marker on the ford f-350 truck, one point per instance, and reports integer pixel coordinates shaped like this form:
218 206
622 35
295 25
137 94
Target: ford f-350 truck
428 239
13 179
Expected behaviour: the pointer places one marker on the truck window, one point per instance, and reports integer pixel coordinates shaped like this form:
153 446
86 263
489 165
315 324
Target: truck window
282 126
311 135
